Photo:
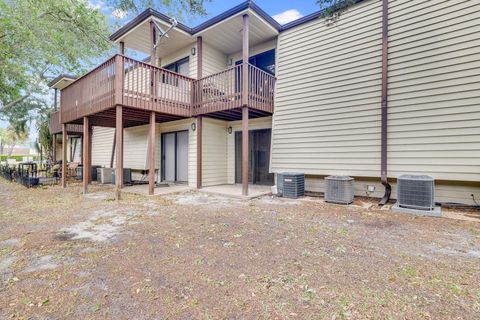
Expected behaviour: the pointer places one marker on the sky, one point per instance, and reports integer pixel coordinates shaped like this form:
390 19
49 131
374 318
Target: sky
281 10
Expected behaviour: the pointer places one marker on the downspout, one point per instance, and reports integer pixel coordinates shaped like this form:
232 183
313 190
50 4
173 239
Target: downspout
384 179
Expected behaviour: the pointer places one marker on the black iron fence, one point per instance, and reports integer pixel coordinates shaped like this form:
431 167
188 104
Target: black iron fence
28 174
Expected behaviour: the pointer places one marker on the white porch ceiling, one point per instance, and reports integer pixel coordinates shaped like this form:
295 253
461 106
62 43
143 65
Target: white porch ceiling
225 36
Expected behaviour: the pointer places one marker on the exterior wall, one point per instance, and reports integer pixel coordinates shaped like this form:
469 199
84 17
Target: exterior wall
327 100
213 60
214 152
328 106
102 143
253 124
434 82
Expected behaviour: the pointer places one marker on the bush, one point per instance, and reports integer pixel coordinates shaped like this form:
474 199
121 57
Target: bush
18 158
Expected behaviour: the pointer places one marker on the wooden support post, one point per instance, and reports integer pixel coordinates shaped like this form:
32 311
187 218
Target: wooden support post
151 150
86 165
55 99
64 155
245 55
245 78
199 57
245 150
119 152
199 125
199 151
54 145
90 134
153 43
119 73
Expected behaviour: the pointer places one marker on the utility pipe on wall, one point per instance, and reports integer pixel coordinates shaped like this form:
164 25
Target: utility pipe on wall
384 179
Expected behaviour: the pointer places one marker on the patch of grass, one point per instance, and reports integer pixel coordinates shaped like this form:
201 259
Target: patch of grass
408 271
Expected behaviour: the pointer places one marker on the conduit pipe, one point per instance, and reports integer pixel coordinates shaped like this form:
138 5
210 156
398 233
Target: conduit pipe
384 179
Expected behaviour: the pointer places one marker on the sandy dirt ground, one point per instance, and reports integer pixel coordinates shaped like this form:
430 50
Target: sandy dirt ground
194 256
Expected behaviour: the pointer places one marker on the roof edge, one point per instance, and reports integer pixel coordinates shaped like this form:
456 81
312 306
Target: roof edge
57 79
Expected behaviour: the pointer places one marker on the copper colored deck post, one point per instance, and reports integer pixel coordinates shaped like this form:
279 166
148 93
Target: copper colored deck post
86 151
199 151
199 118
119 152
245 55
151 171
54 146
64 155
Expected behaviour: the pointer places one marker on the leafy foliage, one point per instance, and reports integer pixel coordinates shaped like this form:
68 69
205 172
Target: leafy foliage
334 8
45 139
39 38
174 7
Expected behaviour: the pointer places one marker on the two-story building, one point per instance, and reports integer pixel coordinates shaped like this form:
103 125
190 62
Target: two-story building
389 87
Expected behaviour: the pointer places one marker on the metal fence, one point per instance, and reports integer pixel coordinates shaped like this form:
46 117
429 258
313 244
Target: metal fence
28 174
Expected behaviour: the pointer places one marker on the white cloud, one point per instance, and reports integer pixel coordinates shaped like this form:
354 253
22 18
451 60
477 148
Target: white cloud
287 16
119 14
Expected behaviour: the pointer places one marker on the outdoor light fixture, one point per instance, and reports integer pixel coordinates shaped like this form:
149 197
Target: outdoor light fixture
193 51
194 126
229 62
229 129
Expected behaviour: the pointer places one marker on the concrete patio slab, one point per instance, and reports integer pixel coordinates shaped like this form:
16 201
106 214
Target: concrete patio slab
163 190
235 191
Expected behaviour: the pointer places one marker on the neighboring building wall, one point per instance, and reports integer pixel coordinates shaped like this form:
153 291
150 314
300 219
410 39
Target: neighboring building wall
327 106
253 124
214 152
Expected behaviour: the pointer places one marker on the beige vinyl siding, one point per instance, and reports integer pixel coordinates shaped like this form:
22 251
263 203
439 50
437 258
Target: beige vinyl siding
214 152
434 89
327 101
102 144
181 125
253 124
214 60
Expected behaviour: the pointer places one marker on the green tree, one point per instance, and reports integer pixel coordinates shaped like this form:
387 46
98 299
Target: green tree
15 135
45 139
178 8
39 38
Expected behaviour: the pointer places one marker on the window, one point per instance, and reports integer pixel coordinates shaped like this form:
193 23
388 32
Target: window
264 61
181 66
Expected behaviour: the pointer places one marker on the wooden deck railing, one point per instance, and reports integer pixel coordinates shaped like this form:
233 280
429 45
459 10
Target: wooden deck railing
89 94
144 86
169 92
219 91
55 125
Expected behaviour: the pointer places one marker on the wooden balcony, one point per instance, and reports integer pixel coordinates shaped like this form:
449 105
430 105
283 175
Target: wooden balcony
55 125
144 87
